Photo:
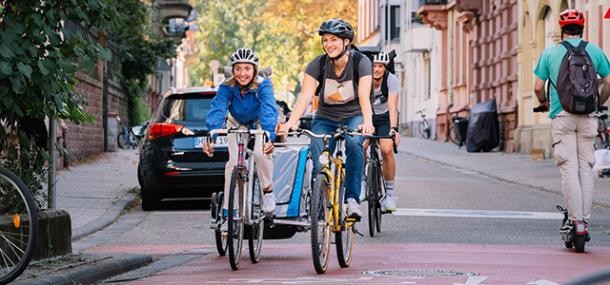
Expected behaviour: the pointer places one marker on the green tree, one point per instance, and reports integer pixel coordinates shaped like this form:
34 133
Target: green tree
282 32
43 44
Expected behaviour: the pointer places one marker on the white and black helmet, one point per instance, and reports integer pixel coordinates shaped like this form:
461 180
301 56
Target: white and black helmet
382 58
244 55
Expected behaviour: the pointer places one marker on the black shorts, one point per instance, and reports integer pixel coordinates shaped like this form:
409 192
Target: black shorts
381 123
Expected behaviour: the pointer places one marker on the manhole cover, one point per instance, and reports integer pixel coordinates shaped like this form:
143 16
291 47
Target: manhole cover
419 273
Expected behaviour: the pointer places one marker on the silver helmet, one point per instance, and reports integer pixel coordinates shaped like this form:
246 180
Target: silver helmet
382 58
244 55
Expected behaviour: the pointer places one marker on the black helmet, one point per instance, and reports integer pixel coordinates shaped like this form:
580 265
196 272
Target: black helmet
338 28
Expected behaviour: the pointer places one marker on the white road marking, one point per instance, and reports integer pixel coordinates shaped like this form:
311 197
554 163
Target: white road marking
478 214
473 280
542 282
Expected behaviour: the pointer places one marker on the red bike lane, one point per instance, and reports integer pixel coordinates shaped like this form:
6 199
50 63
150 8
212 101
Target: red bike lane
420 263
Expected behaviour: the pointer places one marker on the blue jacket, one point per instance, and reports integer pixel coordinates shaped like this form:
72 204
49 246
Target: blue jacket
256 105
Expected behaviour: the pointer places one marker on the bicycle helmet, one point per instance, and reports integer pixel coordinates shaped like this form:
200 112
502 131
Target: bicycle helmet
244 55
382 58
571 17
337 27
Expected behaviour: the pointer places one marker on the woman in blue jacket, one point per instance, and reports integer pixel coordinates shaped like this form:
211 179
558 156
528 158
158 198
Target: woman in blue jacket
249 101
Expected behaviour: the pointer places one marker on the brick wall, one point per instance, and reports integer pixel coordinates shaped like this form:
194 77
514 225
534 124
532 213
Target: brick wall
86 140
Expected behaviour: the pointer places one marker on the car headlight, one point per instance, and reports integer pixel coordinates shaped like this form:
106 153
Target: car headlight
323 159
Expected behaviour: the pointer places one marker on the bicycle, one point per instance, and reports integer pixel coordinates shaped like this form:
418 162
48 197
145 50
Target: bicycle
18 226
458 129
245 203
375 191
425 130
326 209
602 139
129 137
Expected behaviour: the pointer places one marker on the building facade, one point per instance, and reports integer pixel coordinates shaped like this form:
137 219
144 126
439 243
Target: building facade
538 29
422 82
479 43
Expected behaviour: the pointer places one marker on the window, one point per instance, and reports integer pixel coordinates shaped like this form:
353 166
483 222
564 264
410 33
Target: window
394 22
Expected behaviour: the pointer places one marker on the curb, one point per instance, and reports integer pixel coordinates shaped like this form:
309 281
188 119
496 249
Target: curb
109 216
102 268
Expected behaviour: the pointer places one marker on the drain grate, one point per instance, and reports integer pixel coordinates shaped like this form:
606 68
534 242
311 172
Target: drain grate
419 273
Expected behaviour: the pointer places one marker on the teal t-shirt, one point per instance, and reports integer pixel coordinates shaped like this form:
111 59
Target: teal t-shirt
550 61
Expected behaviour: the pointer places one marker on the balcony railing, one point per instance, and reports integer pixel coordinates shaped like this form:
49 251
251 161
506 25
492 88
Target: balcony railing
433 2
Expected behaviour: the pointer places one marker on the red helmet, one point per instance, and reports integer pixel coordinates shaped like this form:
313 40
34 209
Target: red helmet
571 17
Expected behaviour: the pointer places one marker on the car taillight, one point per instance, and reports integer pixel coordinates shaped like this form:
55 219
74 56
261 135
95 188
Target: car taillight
158 130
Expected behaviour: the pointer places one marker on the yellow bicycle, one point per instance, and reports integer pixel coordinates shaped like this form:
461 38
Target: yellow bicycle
326 208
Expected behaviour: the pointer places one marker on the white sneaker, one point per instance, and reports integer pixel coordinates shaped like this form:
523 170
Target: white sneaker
268 203
224 227
353 208
388 204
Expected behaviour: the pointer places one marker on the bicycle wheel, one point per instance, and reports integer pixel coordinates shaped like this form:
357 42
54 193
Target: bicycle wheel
371 189
18 226
424 129
255 240
453 137
235 233
379 213
123 140
219 237
345 237
320 226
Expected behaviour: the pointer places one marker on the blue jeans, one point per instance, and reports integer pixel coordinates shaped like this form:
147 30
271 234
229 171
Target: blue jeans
354 153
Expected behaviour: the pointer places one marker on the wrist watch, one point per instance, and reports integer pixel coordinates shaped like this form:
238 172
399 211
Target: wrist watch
394 128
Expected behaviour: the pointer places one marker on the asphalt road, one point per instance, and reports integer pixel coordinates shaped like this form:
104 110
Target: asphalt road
453 227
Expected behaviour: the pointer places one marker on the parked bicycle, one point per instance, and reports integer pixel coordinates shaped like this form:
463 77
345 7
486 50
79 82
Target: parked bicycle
245 215
458 128
375 181
129 137
326 210
424 127
18 226
602 139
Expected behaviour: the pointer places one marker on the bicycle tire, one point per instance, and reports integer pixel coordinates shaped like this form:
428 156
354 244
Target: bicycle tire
453 136
220 239
123 141
379 196
371 197
345 237
235 232
424 129
319 221
255 240
579 243
18 226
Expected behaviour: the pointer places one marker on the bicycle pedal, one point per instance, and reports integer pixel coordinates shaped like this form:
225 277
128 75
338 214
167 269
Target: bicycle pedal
353 219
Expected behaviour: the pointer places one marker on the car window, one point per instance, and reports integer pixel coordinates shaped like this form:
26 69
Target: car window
187 109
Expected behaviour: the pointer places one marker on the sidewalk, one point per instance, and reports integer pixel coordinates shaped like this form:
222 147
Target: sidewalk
95 193
510 167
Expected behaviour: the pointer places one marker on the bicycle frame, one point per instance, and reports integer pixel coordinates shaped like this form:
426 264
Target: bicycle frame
334 169
243 166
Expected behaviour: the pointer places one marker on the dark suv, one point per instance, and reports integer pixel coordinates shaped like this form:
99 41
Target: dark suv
172 164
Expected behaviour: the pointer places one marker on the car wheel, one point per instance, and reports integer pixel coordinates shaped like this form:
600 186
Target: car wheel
151 200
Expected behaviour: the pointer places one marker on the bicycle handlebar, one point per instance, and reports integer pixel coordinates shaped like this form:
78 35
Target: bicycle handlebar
238 131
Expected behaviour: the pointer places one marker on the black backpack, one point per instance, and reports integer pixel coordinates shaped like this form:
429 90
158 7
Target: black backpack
577 85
